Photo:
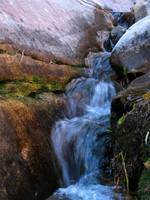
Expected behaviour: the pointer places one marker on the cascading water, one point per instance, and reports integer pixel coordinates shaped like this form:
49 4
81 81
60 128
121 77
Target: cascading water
81 141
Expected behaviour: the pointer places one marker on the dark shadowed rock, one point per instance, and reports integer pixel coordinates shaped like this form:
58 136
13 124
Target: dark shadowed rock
129 132
132 51
116 33
57 198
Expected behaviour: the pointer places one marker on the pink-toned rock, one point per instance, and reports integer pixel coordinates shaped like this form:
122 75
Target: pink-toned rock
64 29
117 5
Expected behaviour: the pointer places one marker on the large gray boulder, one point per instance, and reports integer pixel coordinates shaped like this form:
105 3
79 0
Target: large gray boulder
50 30
132 52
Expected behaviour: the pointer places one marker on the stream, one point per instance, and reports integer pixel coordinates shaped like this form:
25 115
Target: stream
82 140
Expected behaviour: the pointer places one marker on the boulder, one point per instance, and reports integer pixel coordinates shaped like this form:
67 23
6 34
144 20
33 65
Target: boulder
141 9
35 74
142 82
28 169
23 67
130 125
116 33
138 87
131 53
130 130
62 30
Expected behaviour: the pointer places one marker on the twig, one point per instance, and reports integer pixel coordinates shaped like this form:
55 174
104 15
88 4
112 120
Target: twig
125 171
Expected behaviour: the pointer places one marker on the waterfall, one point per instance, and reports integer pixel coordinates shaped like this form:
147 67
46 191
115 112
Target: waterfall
82 139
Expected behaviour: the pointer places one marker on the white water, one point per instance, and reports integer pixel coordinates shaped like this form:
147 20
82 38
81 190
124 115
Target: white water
81 142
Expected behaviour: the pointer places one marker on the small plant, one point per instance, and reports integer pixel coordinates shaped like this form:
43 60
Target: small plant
121 157
121 120
36 79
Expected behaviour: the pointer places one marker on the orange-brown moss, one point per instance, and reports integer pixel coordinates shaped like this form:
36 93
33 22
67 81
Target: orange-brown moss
27 160
147 96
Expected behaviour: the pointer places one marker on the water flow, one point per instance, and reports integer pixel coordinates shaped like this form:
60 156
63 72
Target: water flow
82 140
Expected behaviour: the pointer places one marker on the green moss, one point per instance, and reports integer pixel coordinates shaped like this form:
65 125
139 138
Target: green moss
36 79
3 51
121 120
79 65
32 85
144 185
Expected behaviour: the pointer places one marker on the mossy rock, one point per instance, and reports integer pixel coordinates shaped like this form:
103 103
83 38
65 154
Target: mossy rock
27 162
27 87
144 185
129 131
22 75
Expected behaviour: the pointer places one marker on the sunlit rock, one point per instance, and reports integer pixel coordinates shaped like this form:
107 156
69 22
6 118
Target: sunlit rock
131 53
52 30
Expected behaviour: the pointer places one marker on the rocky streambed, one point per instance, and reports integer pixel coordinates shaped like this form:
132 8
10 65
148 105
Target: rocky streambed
43 46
